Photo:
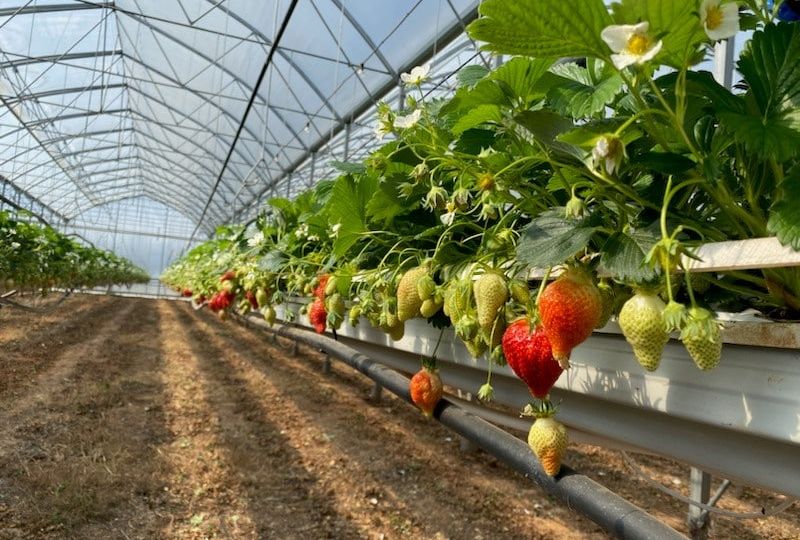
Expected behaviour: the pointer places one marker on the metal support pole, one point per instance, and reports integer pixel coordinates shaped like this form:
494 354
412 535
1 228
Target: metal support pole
375 392
700 491
723 62
347 129
326 365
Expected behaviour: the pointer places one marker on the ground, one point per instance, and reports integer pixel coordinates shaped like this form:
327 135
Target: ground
123 418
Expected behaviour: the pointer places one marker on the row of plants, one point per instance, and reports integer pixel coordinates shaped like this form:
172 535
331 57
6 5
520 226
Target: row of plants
607 170
36 257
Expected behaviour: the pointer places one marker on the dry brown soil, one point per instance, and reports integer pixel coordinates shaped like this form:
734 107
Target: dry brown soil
123 418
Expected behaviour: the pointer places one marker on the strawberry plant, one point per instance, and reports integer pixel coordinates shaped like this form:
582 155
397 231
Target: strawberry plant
600 147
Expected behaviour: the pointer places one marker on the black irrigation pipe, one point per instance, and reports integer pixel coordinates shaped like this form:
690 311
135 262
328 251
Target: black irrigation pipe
617 516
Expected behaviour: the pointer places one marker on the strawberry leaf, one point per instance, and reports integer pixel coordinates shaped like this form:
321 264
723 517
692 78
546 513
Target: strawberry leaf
543 28
550 239
624 259
784 219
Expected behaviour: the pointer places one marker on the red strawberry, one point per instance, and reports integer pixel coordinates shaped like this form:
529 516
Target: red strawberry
570 308
227 276
530 357
186 293
317 315
251 297
426 389
319 291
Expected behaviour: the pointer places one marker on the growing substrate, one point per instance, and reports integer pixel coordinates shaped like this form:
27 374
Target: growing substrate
127 418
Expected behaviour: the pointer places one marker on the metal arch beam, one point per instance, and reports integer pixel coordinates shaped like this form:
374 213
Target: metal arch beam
37 200
211 61
70 154
448 35
55 58
73 116
367 39
52 8
288 59
184 211
242 124
199 95
60 91
84 135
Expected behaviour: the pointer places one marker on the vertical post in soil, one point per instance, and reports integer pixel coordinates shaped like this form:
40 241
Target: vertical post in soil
375 393
295 348
700 491
326 365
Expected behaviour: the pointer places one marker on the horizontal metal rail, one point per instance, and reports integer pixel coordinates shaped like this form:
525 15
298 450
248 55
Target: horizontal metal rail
619 517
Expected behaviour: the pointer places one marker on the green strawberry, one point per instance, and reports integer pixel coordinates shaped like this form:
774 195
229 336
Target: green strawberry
408 299
642 324
520 291
491 293
426 287
701 337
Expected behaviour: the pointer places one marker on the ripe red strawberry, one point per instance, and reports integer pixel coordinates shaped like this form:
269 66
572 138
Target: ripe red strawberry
570 308
186 293
251 297
319 291
317 315
531 358
426 388
227 276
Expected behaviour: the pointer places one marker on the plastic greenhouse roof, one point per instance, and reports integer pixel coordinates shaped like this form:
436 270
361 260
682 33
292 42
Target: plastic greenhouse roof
190 103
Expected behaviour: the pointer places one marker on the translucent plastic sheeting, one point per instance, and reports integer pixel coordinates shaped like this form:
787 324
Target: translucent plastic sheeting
108 101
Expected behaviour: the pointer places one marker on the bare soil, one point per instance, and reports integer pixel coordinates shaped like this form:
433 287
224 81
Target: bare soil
123 418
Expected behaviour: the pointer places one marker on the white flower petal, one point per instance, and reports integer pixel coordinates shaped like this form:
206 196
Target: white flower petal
623 60
651 53
403 122
616 36
729 26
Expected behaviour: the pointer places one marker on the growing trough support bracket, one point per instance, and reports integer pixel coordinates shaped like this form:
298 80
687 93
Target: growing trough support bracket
617 516
700 491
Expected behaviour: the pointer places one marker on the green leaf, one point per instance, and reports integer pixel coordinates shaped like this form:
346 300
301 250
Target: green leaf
348 168
546 127
477 116
473 141
623 259
550 239
675 22
469 76
543 28
521 76
581 93
273 261
774 137
770 65
348 207
663 162
784 219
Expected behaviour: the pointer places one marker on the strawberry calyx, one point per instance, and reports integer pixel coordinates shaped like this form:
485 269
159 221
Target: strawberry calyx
540 408
429 364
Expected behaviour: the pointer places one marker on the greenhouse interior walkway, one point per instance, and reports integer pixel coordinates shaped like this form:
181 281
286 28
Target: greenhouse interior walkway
131 418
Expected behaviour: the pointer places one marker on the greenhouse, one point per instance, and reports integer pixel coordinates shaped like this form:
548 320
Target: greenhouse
464 269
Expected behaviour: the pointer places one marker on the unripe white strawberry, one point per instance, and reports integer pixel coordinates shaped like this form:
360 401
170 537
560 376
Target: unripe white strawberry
491 293
642 324
408 300
547 438
702 339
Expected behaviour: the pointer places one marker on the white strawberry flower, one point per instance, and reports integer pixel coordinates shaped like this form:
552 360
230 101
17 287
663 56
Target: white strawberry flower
417 75
719 20
631 44
335 229
256 240
609 150
407 121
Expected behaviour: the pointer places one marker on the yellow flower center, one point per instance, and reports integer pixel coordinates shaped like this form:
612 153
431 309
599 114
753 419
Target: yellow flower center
713 17
638 44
